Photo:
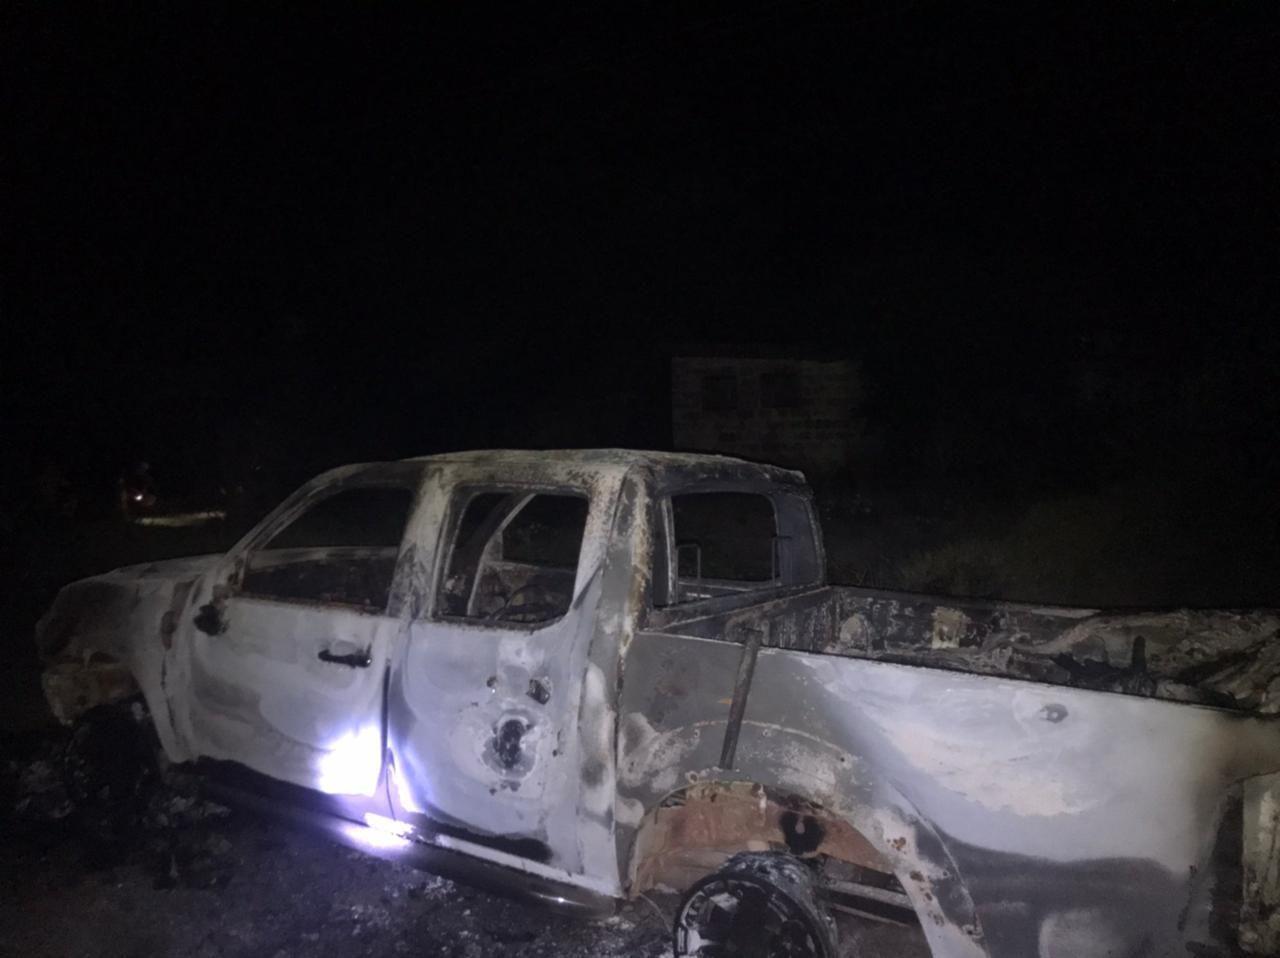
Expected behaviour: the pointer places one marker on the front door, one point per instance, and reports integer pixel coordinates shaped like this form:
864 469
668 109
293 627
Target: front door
287 672
484 699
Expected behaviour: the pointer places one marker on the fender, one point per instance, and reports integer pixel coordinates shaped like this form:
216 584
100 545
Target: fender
679 837
107 638
789 769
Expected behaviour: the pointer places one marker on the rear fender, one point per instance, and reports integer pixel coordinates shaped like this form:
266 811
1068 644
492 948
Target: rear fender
693 830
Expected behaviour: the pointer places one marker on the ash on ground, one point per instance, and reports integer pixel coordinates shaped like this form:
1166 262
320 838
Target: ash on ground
149 866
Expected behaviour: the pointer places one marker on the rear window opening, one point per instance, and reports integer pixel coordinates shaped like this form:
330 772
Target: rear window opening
724 535
724 543
514 557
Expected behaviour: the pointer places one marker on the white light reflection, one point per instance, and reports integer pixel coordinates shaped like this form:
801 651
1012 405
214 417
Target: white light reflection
350 765
388 825
403 792
373 839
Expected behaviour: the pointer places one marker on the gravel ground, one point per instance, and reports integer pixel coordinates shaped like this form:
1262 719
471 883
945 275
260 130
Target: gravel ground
176 874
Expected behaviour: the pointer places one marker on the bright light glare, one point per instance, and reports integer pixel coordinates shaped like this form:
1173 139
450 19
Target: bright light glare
374 839
403 792
388 825
350 765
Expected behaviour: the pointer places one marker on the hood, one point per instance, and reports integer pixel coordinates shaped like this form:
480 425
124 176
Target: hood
187 567
103 607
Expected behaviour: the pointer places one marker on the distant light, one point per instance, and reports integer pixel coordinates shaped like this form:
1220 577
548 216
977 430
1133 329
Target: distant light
181 520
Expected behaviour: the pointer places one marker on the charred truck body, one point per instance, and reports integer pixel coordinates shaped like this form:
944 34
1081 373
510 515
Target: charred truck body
586 674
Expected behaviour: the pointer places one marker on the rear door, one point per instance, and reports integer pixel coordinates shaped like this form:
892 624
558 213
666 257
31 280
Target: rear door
483 703
288 671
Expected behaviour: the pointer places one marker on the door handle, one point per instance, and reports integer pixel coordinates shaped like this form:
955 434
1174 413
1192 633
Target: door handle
356 660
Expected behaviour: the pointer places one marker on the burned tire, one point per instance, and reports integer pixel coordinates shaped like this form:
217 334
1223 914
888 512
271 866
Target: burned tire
109 769
759 905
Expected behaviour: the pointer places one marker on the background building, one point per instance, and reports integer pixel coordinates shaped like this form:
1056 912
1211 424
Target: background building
792 410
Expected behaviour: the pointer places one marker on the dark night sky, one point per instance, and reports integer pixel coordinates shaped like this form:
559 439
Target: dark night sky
376 236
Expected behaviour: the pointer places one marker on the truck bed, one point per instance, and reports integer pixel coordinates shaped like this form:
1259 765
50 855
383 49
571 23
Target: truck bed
1223 658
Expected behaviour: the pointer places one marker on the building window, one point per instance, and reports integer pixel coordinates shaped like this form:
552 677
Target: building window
780 390
719 392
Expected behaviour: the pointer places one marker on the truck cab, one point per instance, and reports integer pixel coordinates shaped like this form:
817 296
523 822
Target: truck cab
438 643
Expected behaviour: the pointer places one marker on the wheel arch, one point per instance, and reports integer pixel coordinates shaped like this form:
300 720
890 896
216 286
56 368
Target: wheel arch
74 687
107 640
695 828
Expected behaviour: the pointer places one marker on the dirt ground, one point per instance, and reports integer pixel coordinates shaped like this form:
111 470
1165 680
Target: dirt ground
174 873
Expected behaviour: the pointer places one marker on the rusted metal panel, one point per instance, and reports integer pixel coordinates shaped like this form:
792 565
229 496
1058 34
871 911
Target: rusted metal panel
692 833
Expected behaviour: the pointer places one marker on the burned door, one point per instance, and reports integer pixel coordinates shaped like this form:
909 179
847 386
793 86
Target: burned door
483 700
287 671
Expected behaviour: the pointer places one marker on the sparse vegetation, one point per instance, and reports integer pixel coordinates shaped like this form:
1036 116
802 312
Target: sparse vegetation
1129 544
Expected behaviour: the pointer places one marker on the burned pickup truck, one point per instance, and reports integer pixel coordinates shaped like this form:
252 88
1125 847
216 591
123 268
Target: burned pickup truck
584 675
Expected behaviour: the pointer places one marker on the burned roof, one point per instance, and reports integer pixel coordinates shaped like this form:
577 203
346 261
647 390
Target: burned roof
702 464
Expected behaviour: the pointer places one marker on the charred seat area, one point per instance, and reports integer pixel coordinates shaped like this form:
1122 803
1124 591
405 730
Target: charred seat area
362 581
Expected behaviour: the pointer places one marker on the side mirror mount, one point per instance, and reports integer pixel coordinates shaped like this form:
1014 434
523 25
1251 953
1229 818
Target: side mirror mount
209 617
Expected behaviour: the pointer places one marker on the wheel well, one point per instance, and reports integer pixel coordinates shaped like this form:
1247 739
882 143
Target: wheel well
696 830
73 687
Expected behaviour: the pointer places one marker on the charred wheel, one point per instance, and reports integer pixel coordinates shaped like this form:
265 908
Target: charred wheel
759 905
109 768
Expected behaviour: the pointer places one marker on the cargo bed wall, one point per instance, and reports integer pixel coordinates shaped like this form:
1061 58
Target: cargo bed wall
1214 657
1225 658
